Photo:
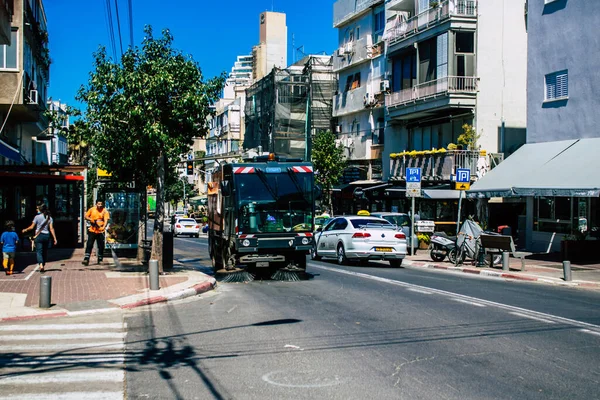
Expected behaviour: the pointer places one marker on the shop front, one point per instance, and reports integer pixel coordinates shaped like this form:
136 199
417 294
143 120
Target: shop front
59 187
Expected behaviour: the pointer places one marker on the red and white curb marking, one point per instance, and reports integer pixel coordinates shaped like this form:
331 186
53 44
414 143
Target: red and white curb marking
495 274
182 294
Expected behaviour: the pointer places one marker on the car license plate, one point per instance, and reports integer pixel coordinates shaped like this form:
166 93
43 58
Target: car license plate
384 249
262 264
188 226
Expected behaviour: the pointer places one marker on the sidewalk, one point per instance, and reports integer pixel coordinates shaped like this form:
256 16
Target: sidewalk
77 289
536 270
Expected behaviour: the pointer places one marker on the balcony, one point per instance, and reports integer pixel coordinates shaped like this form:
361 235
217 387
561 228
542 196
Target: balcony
448 91
447 10
349 102
443 166
345 10
352 53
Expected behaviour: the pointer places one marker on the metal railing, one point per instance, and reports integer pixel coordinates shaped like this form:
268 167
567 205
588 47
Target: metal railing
447 85
443 166
430 17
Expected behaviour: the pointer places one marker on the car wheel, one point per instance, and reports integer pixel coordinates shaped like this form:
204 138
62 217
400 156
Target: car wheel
396 263
341 255
313 253
197 235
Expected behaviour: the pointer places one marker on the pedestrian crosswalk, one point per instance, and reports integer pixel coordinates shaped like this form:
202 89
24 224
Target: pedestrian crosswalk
63 361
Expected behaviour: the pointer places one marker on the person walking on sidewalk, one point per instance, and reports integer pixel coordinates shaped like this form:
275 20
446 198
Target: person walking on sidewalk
44 227
98 217
9 241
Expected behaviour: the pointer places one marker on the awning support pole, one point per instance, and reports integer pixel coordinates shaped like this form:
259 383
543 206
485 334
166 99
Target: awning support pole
458 218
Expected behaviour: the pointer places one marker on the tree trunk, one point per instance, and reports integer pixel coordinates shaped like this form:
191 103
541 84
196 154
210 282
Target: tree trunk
159 222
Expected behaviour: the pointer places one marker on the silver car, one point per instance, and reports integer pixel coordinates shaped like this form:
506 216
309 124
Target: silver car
360 238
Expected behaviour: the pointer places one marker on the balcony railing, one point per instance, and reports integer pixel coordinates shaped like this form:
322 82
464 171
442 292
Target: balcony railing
350 101
343 10
430 17
443 166
442 86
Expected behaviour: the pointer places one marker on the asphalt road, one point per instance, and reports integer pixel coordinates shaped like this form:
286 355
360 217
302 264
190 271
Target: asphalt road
367 332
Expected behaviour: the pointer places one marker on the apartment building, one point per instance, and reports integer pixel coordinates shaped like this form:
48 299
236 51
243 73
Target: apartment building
6 15
58 152
24 74
358 104
554 175
28 173
445 64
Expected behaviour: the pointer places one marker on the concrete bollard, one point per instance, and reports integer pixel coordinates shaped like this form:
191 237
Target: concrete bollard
505 261
567 270
45 291
153 269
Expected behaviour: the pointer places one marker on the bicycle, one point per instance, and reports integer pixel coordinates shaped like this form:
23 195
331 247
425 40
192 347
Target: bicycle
470 247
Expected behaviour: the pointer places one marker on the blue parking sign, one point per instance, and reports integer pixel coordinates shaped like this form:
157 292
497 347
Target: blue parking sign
463 175
413 174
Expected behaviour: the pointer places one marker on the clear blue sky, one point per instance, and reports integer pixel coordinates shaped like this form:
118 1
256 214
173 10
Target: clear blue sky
213 32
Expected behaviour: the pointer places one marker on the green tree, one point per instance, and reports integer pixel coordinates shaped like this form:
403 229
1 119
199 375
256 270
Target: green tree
144 113
329 163
174 189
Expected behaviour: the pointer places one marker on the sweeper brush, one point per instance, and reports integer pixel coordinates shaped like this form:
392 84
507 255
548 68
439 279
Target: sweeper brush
234 276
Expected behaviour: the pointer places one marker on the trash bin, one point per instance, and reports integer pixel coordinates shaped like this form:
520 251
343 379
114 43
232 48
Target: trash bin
167 248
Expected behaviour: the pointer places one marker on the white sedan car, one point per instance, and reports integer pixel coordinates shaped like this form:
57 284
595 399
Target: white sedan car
186 226
360 238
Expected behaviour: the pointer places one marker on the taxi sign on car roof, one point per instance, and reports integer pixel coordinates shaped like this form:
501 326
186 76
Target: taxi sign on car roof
363 213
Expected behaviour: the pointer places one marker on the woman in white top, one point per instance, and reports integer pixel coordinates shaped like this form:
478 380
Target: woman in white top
44 227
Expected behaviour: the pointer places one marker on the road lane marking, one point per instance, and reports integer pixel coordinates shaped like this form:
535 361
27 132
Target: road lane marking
74 360
532 317
66 346
62 327
468 302
64 377
68 396
419 291
531 313
64 336
590 332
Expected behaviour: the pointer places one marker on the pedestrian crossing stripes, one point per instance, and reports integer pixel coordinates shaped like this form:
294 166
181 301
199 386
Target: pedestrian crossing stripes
63 361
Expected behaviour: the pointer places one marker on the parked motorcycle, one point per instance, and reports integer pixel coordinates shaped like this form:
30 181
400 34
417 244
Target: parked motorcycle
442 246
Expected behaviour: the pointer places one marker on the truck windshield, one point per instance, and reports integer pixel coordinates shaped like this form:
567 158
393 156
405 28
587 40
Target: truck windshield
274 202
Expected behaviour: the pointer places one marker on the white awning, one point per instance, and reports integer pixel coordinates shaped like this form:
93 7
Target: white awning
563 169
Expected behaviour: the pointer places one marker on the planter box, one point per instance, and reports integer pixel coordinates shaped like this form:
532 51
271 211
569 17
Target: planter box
580 251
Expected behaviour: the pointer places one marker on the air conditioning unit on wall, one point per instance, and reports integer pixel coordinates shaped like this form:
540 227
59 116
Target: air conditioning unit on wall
384 85
33 97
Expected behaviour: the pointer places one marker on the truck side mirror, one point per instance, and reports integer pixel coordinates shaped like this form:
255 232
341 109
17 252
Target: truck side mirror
226 188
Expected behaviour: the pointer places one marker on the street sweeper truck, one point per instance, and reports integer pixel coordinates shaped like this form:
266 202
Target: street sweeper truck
261 215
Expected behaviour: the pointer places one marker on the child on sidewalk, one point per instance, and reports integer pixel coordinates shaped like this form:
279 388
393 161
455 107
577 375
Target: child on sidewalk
9 240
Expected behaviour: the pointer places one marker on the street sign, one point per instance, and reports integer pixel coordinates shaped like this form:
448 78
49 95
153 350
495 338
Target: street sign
462 186
413 185
413 174
463 175
413 192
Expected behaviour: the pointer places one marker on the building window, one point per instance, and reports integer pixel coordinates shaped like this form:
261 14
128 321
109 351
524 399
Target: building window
8 54
379 21
557 86
353 82
465 42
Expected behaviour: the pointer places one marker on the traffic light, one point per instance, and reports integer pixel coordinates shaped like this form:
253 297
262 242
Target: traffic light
189 168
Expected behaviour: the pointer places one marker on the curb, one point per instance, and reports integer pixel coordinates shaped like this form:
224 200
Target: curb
182 294
193 291
500 275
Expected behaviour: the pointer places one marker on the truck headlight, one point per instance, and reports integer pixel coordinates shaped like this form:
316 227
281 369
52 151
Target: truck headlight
305 240
246 243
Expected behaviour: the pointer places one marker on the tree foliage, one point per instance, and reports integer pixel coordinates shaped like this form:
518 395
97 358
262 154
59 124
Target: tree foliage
154 102
143 112
468 139
328 161
174 189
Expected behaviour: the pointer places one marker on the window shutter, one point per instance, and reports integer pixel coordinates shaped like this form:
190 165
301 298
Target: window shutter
442 56
562 85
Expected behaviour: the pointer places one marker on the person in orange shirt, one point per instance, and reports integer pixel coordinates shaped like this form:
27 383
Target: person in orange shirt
98 217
